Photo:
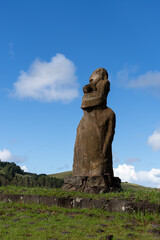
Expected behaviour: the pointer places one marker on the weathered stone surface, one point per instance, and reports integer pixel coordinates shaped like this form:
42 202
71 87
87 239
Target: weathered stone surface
96 181
76 181
93 145
94 184
114 205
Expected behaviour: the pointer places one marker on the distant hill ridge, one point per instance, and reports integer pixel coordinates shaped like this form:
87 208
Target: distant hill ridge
61 175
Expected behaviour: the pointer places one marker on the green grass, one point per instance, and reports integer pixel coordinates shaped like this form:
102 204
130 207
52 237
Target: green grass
30 221
20 221
135 187
34 221
149 195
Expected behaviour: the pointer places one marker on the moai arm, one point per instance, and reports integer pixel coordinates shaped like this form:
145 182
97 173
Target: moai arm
110 133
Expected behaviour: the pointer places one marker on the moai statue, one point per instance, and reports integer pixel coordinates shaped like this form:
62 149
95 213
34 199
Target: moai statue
92 165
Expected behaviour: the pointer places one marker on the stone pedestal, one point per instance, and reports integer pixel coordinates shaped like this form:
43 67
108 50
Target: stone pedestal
95 184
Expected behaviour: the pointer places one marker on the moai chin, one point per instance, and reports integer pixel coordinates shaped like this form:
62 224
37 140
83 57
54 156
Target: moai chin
92 164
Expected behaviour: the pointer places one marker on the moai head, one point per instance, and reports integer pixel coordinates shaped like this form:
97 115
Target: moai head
95 93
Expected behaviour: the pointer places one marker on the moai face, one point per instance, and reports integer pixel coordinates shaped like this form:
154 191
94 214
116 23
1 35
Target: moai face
95 93
96 76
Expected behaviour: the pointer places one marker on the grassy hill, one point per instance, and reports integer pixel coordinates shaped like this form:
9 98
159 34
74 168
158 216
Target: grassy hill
61 175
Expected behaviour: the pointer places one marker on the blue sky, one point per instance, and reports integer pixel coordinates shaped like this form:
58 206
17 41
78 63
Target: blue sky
48 50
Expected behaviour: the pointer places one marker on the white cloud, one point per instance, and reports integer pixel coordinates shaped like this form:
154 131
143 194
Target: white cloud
24 168
146 178
126 173
154 140
48 81
123 75
150 79
7 156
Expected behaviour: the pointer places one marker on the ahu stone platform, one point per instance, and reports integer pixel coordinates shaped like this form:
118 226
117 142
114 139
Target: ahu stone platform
95 184
114 205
